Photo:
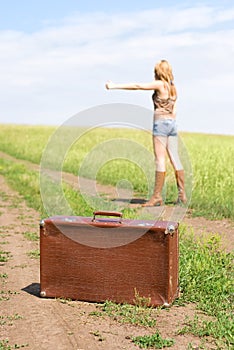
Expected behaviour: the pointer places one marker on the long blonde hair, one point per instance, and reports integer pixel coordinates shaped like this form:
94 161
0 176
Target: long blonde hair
163 71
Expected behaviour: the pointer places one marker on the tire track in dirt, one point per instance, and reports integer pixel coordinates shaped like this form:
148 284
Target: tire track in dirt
69 178
49 324
45 324
200 225
42 325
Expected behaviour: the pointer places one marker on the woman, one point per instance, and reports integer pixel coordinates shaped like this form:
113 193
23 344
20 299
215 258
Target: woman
165 139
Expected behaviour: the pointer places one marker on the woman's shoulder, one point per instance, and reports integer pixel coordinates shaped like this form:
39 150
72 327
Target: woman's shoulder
160 83
162 86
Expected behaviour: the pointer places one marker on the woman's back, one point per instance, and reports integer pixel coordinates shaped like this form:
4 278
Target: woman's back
164 104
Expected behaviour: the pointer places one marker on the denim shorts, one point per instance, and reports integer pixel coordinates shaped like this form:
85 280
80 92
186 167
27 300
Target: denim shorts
165 127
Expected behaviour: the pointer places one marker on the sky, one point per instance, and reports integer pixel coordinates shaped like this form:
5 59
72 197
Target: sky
55 57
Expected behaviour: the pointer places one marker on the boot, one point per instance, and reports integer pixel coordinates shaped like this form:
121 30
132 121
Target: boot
156 198
180 185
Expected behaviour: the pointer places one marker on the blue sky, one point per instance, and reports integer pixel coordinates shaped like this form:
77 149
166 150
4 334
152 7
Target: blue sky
55 57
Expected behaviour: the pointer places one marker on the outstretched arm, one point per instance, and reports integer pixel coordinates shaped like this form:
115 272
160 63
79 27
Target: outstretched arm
154 85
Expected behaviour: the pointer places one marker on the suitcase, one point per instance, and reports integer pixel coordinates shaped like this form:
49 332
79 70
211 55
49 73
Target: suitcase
107 257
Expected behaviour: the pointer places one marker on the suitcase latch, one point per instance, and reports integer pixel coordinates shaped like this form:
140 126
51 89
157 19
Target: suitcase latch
170 230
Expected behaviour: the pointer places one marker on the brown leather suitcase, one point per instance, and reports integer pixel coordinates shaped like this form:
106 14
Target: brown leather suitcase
109 258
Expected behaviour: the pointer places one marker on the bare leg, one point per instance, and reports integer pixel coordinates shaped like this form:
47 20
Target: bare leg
173 153
160 154
160 149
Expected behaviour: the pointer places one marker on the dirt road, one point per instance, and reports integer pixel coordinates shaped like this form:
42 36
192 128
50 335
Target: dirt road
28 321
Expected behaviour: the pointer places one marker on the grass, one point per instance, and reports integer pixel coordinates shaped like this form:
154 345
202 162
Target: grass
98 335
34 254
114 156
4 345
212 159
206 271
66 301
5 294
125 313
25 142
206 278
4 256
26 182
56 200
31 236
139 314
154 341
8 319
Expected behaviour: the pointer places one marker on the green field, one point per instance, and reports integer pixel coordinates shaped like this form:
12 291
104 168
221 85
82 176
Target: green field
113 156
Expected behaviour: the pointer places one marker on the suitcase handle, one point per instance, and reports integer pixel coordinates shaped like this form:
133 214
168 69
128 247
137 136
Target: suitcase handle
107 213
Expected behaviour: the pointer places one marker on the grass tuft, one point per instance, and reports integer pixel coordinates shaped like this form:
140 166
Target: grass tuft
34 254
154 341
206 278
125 313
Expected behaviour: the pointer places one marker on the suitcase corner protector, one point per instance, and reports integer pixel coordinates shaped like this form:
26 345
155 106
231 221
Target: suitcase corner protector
166 305
170 230
42 294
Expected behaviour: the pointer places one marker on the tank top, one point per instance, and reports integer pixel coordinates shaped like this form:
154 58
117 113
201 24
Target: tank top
163 108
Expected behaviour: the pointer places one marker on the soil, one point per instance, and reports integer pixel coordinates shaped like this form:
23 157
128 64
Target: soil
26 320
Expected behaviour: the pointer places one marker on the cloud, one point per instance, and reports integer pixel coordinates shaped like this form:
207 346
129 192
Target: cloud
48 74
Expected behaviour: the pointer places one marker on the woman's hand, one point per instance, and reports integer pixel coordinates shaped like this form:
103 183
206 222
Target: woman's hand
110 85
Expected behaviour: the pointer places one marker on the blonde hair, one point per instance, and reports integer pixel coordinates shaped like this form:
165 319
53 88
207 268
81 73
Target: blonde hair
163 71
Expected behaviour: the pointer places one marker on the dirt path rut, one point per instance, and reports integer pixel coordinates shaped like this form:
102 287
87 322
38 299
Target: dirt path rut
28 321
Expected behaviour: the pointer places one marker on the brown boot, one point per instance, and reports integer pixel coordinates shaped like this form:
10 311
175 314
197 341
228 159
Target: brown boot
156 198
180 185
